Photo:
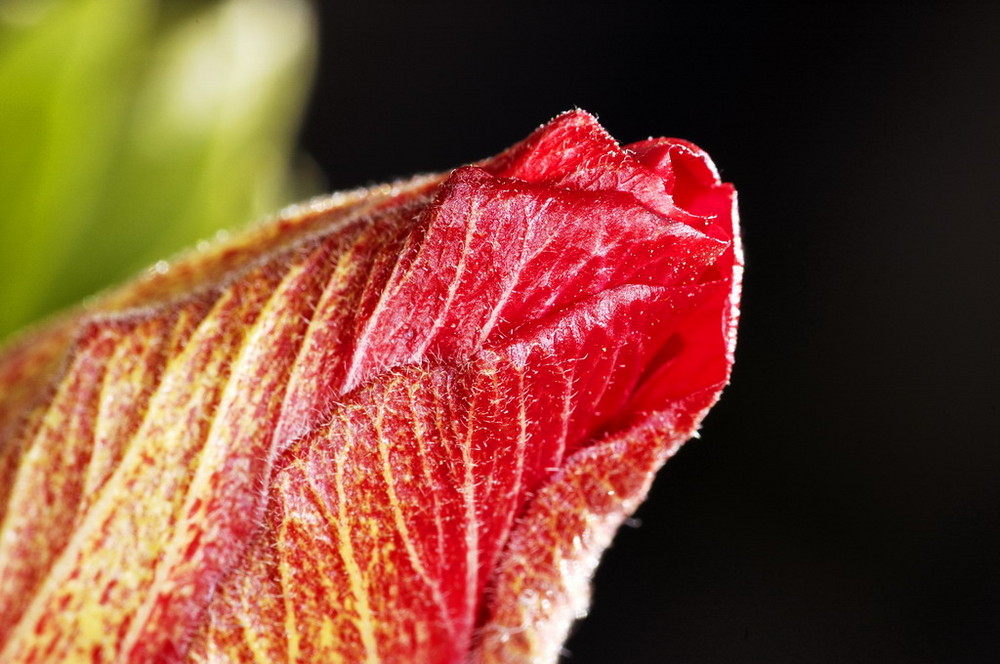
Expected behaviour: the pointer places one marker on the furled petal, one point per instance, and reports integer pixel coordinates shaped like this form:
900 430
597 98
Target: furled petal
397 426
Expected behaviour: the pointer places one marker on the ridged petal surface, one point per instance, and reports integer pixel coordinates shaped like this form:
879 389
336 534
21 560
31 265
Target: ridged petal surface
399 425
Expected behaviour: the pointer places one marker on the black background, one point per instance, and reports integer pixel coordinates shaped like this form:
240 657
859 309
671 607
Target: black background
842 504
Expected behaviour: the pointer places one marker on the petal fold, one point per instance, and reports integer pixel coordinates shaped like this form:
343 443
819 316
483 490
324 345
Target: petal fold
397 425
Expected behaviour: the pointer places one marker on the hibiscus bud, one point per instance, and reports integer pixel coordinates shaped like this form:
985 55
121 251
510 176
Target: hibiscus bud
393 425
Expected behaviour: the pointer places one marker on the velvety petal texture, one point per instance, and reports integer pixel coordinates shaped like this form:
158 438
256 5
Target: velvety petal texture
395 425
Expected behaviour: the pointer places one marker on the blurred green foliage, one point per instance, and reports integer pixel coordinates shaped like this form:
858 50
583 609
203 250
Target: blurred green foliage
130 129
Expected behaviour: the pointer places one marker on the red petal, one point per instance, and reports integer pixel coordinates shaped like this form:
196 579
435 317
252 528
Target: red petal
401 428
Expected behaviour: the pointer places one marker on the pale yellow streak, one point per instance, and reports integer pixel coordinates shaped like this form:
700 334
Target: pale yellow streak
162 432
173 361
328 635
399 518
345 265
256 645
215 448
364 338
471 519
421 434
293 637
341 525
32 459
162 338
328 640
522 436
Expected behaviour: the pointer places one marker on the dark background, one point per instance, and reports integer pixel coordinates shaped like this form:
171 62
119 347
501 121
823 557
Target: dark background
842 504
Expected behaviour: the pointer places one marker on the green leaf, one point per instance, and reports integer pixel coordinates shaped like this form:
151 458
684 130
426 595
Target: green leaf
133 128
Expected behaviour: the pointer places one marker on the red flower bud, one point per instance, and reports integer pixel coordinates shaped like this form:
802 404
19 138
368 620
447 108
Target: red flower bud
397 425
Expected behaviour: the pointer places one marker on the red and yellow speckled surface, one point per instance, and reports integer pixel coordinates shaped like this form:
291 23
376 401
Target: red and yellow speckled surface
399 425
